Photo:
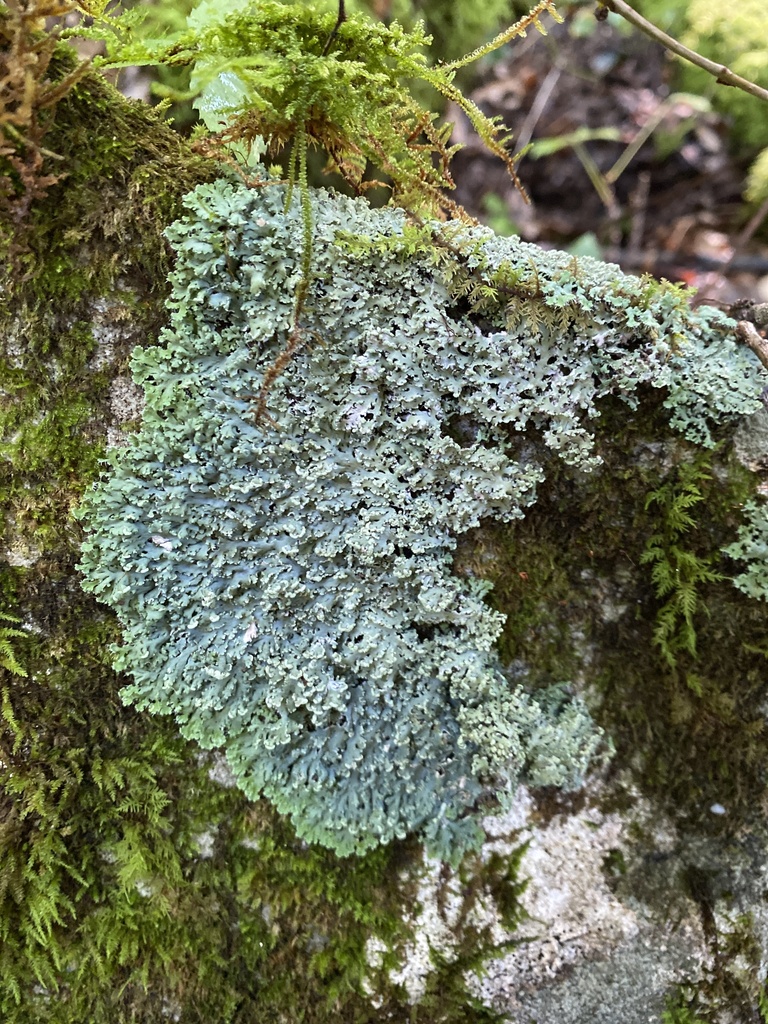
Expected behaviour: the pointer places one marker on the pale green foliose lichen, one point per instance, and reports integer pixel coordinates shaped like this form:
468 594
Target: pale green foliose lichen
286 589
751 548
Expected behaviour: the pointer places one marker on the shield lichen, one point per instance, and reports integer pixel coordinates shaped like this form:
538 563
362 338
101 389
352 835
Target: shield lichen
287 592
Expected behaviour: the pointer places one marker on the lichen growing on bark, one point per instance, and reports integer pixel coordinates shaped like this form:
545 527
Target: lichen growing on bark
286 591
111 908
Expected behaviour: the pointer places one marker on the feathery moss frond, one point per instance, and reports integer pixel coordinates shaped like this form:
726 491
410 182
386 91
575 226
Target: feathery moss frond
678 573
354 101
8 659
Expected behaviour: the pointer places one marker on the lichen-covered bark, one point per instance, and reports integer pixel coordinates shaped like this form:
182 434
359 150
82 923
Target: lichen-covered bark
136 884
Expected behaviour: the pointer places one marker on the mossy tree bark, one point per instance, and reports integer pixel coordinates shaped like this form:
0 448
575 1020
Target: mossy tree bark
137 885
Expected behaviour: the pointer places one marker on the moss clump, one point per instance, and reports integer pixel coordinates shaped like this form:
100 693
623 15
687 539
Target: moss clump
302 74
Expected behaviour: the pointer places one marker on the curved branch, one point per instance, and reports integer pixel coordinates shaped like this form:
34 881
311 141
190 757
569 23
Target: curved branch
723 74
747 332
339 22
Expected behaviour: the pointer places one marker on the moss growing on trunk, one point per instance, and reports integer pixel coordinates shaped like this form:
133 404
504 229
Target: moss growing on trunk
134 886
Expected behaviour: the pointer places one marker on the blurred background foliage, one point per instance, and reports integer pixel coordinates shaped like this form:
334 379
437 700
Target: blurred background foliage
735 35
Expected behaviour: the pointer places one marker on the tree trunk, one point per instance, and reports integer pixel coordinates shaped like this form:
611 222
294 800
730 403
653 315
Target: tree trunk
138 884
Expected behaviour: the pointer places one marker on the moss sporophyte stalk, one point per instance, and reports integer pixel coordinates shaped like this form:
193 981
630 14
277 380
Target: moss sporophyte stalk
287 591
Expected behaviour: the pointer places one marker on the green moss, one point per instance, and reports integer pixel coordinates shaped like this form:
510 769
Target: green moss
698 726
46 433
677 572
529 580
125 172
92 245
8 636
341 86
762 1002
679 1010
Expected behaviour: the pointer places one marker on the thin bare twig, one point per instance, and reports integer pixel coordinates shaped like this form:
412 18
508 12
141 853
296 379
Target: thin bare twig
342 17
656 262
537 108
752 225
747 332
723 74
